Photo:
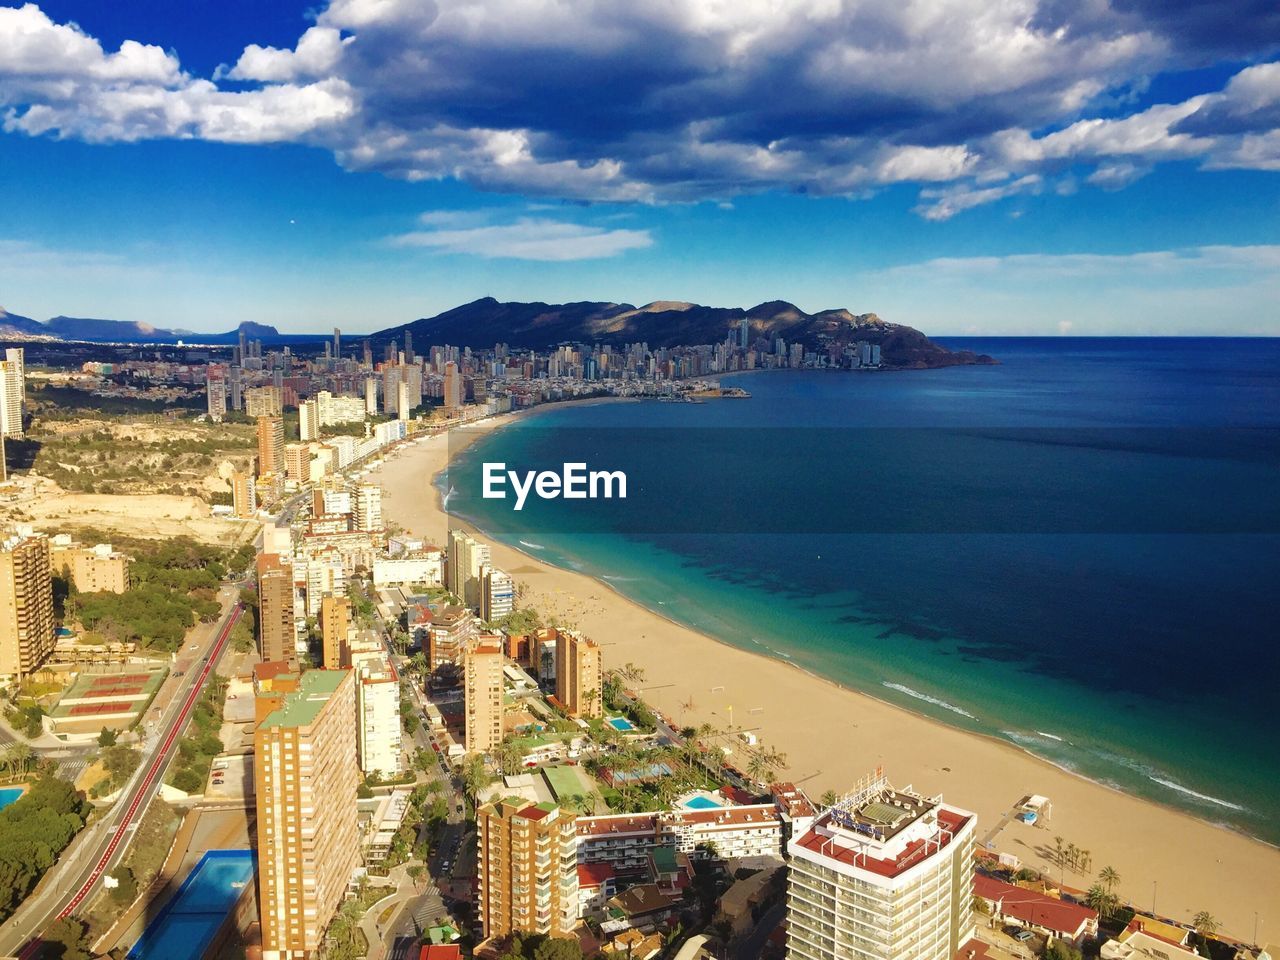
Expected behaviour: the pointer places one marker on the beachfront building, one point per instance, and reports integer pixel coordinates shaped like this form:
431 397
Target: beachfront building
1072 922
333 408
526 869
883 874
423 567
27 631
306 779
466 557
579 682
482 694
277 632
96 569
627 840
367 507
497 594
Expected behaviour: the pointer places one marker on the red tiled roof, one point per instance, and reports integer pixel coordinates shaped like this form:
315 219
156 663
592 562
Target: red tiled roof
1036 909
607 826
972 949
440 951
594 874
759 815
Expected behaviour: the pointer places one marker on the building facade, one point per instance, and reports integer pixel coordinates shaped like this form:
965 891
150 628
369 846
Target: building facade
578 675
308 834
335 629
482 693
270 446
96 569
527 869
277 631
884 874
27 632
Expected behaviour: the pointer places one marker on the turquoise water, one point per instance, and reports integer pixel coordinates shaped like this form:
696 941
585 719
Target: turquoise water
186 925
1138 655
702 803
621 723
8 795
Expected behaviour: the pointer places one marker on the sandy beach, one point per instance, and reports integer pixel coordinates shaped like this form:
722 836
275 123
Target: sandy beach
831 736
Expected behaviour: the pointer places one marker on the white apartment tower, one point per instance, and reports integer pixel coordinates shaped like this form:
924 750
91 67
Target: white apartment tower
884 874
13 392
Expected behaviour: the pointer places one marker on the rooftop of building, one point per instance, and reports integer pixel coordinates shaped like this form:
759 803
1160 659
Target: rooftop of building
1032 907
792 800
618 823
883 830
303 706
594 874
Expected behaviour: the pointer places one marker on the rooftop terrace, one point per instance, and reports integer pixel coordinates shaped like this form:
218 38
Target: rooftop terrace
303 706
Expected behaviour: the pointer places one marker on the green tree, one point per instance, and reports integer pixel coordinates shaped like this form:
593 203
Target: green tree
1109 878
66 939
120 761
558 948
107 738
1205 924
474 776
126 889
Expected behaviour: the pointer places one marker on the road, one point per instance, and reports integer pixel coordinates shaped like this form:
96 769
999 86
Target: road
97 850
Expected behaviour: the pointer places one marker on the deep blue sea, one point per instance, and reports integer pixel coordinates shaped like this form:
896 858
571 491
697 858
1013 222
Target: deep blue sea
1077 550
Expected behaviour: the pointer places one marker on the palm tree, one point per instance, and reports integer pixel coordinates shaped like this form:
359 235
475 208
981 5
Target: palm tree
22 755
418 664
508 757
1101 899
1205 924
1109 877
1058 849
474 776
758 766
828 799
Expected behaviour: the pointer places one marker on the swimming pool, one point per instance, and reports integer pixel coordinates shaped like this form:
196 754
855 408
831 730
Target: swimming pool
188 922
8 795
702 803
622 724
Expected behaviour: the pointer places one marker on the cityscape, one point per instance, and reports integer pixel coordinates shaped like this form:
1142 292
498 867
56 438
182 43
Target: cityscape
695 480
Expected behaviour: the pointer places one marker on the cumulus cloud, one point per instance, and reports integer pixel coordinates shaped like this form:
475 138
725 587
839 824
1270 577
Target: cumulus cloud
525 238
689 100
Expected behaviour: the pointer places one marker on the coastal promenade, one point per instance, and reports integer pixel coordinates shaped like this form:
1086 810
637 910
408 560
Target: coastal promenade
832 736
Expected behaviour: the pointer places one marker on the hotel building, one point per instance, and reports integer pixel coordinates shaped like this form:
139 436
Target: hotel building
27 633
308 834
482 693
466 558
367 504
448 635
885 874
497 594
578 676
527 869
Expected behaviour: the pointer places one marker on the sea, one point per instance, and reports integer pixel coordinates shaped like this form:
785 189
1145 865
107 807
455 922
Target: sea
1076 550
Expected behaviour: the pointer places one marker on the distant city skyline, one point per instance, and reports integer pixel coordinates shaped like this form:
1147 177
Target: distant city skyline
961 168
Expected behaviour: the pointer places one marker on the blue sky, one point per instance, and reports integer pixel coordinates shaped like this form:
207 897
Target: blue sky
1023 167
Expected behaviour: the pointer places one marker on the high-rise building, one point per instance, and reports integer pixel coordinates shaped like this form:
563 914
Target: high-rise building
408 347
297 461
466 557
13 392
244 494
215 386
403 406
367 507
370 396
377 710
526 868
744 333
452 388
277 632
270 446
448 635
306 777
27 632
482 694
309 420
882 874
337 342
366 353
335 625
579 679
264 401
497 593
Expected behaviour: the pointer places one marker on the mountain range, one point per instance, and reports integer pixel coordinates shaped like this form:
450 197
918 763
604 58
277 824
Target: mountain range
484 322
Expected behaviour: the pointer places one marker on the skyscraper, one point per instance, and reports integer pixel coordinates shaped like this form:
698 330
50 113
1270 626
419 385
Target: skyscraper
497 593
452 388
215 386
482 694
276 630
337 342
884 873
26 604
408 347
306 777
244 494
526 868
335 623
270 446
13 392
309 420
462 575
367 507
578 674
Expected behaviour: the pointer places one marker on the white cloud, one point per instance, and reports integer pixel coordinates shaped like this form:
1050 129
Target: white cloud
679 101
1192 264
527 238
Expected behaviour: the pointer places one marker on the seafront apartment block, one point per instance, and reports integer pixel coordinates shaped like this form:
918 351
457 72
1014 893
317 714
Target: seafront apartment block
526 869
885 874
306 777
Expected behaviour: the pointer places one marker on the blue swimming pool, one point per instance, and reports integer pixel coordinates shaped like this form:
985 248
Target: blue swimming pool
188 922
8 795
702 803
621 723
